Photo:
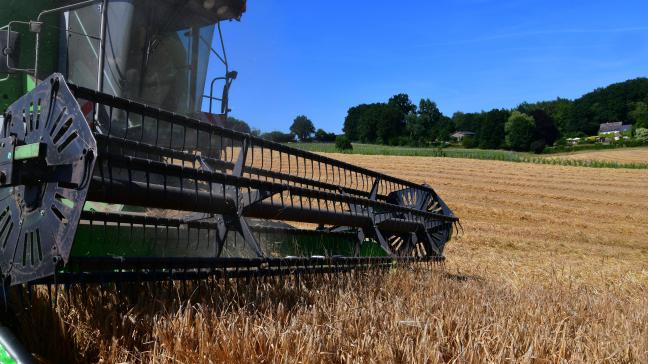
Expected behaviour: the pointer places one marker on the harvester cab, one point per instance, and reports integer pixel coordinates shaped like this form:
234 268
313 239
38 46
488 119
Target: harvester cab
155 52
104 108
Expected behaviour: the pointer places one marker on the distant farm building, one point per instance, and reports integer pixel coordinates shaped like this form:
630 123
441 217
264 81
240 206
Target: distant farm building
459 135
573 141
616 127
613 131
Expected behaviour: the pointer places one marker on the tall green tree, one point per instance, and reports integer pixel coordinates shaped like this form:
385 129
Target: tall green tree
236 124
467 121
444 129
302 127
562 111
519 130
417 130
641 134
366 122
491 129
322 136
428 124
545 127
639 115
422 126
279 137
381 123
390 123
403 103
352 121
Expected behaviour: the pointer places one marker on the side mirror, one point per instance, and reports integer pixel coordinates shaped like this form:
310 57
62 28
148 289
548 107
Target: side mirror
9 51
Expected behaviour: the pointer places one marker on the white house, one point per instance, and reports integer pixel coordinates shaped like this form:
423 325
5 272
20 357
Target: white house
615 127
459 135
613 130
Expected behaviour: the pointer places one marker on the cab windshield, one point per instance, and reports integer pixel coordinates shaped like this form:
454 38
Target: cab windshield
156 52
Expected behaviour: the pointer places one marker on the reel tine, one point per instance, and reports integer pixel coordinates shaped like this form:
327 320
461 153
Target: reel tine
66 289
5 296
49 294
30 294
56 290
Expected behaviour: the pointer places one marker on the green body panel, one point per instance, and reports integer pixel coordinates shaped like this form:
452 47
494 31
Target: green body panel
370 248
5 357
18 84
113 240
100 240
27 151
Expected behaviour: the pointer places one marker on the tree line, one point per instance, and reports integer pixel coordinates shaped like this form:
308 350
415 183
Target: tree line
302 129
529 126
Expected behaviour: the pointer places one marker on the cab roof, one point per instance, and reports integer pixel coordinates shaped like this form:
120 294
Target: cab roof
201 12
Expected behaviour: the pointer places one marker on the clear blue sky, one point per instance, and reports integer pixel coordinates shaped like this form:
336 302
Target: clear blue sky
319 58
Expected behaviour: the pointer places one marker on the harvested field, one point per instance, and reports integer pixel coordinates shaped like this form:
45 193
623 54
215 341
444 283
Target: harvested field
552 266
624 155
587 223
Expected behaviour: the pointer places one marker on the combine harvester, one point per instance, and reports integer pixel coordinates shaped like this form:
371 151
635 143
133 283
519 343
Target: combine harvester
110 171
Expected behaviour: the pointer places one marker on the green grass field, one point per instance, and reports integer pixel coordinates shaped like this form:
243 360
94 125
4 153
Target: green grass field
373 149
501 155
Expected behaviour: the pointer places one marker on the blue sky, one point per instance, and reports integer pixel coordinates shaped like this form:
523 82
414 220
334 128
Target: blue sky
319 58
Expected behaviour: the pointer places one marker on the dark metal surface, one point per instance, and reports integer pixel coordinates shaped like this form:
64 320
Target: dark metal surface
41 204
9 51
163 162
123 270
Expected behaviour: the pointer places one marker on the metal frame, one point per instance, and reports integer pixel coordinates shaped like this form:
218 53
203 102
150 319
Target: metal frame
228 78
58 10
8 26
156 159
35 27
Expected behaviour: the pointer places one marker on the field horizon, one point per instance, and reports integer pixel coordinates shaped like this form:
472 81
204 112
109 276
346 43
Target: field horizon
624 157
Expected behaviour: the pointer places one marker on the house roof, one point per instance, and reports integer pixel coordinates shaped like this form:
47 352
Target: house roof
616 126
463 133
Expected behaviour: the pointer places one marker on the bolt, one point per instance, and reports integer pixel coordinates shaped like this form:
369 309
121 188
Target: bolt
42 212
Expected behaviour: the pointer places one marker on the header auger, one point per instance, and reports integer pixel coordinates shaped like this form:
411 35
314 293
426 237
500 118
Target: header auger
110 172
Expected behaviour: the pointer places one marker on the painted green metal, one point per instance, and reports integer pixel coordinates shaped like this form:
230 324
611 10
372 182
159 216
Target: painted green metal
5 357
18 84
113 240
135 241
27 151
11 350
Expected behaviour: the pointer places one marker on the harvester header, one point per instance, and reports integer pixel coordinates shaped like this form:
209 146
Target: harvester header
110 170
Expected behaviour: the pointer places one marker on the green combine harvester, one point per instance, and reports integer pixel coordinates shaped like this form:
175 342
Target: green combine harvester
115 165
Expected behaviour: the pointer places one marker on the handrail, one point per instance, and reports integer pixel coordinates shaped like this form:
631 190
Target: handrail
52 11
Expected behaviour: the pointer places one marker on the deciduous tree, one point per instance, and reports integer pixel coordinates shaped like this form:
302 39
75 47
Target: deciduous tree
519 130
639 115
302 127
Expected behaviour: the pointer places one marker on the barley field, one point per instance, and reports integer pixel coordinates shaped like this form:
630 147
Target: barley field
631 158
623 155
551 265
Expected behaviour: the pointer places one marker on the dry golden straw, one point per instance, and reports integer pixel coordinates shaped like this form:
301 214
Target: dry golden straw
552 267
